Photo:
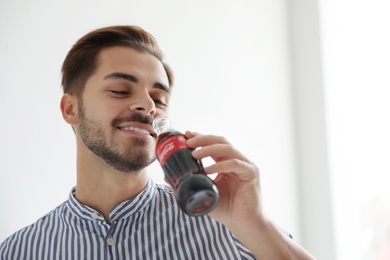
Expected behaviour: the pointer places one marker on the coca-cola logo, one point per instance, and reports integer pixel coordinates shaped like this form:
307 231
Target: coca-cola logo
166 150
169 146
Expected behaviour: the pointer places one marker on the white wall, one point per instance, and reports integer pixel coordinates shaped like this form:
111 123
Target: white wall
356 59
231 62
316 207
340 81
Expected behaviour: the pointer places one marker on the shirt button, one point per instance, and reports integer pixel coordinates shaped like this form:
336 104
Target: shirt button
110 241
94 215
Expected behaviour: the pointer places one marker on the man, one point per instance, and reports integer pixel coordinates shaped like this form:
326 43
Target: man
115 83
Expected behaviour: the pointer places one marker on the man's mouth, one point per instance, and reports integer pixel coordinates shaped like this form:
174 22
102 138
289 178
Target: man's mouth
136 129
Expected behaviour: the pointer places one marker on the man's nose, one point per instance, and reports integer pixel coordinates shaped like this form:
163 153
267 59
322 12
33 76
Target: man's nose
143 103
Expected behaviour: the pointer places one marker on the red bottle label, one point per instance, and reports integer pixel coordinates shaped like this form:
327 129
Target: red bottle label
169 146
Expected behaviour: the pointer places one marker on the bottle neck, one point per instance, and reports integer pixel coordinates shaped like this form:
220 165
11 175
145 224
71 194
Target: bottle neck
162 124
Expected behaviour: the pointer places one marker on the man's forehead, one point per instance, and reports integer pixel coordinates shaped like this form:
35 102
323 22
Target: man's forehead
124 59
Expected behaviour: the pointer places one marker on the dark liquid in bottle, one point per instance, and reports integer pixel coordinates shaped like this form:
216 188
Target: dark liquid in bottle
196 193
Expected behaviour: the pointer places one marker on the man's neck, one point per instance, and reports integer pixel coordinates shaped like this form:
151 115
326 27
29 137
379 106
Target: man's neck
102 188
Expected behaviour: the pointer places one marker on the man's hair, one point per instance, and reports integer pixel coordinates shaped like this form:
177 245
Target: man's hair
81 61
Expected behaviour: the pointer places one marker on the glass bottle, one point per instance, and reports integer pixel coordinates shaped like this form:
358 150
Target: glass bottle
196 194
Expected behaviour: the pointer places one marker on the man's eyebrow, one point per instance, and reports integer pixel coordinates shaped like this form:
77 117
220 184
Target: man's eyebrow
162 87
131 78
121 75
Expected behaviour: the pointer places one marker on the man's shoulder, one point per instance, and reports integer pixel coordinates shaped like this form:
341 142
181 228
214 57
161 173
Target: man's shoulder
164 188
197 229
41 228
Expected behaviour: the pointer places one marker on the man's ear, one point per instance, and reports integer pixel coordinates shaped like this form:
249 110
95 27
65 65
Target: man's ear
69 108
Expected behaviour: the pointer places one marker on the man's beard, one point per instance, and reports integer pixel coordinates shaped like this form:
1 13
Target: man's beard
133 159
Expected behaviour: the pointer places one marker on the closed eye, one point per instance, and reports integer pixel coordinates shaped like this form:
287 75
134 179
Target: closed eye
159 102
119 92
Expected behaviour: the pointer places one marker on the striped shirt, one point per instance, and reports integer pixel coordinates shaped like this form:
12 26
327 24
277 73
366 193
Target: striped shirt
149 226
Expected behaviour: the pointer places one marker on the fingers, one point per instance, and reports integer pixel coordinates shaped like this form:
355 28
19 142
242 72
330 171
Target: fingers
218 152
227 158
197 140
245 171
190 134
216 147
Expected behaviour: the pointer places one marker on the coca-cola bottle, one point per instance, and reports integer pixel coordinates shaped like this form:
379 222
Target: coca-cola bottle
196 193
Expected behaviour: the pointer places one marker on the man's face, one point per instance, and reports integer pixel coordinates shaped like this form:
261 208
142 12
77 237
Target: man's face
121 99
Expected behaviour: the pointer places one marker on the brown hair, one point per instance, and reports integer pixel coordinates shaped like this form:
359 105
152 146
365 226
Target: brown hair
81 61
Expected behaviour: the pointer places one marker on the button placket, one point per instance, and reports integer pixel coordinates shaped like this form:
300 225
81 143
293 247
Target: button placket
110 240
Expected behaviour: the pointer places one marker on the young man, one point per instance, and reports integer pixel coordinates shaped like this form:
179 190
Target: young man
115 83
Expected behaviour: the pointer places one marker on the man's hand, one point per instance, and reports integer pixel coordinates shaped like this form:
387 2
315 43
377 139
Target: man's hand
239 207
238 180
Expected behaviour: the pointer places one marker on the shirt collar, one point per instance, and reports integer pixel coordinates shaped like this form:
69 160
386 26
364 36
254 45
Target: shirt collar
123 210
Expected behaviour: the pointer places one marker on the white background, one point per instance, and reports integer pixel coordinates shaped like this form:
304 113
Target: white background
300 87
356 40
